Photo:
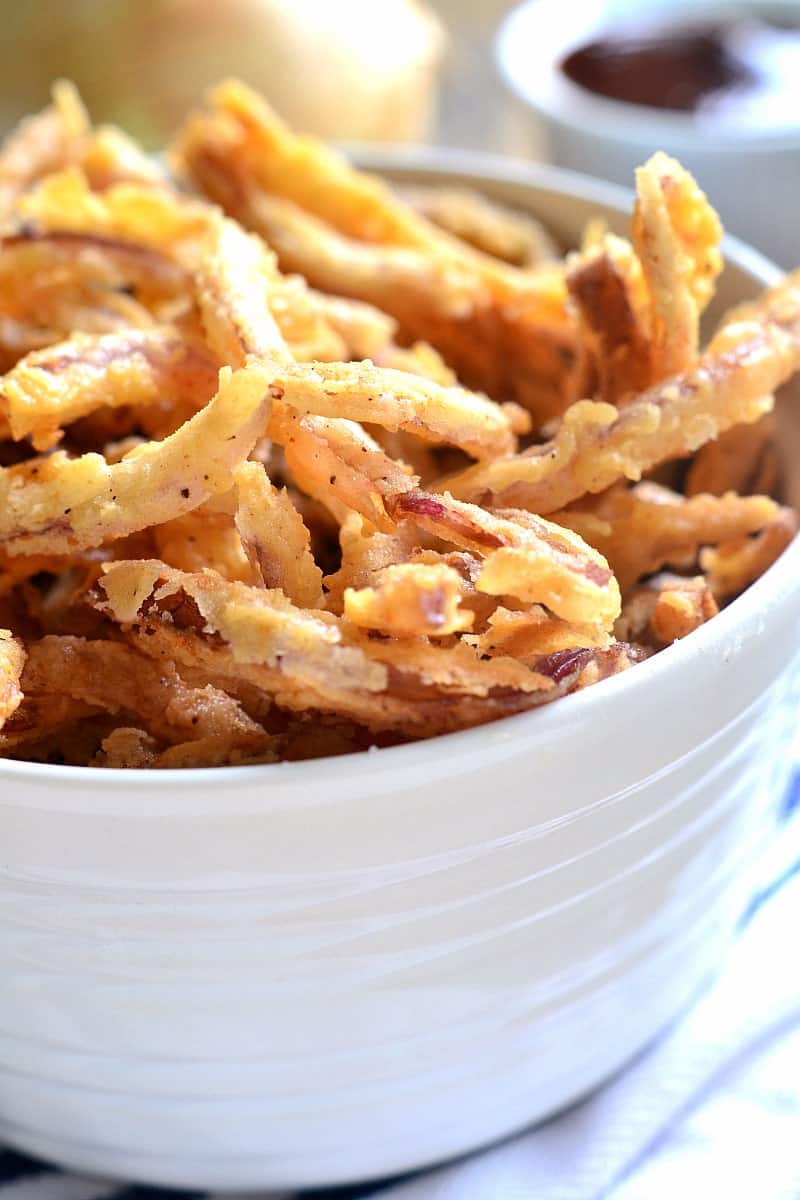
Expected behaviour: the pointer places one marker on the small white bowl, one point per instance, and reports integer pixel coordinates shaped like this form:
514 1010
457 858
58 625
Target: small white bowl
751 172
321 972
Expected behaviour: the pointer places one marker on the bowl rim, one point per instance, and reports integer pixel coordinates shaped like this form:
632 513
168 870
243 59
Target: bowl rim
773 589
541 86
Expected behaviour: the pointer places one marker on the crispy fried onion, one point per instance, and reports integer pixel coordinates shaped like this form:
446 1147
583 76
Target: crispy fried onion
182 236
596 665
66 274
246 637
173 596
743 460
677 236
365 552
734 565
524 556
110 677
129 747
527 634
110 156
596 444
12 661
50 388
205 537
41 144
640 529
156 219
233 290
606 283
305 171
336 462
55 285
275 538
504 233
410 600
55 504
665 609
233 279
396 401
506 331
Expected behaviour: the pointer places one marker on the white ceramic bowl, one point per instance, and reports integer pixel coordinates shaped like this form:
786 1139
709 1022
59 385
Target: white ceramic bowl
752 173
318 972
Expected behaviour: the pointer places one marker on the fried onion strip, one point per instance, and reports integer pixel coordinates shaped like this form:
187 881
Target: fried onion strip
639 530
397 401
275 538
605 282
529 634
501 232
42 143
665 609
156 219
205 537
506 331
110 157
410 600
525 556
677 235
311 661
44 269
336 462
233 292
12 661
233 281
733 566
595 444
51 388
305 171
57 504
742 460
112 677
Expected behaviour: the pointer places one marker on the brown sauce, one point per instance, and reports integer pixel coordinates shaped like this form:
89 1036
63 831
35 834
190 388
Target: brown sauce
749 65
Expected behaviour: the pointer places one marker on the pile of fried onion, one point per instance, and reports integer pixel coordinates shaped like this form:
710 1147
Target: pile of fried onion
292 464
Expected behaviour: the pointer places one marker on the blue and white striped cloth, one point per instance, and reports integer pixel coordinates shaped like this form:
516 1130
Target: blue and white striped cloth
712 1110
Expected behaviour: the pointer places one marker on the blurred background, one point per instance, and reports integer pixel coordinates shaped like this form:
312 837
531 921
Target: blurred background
427 70
350 69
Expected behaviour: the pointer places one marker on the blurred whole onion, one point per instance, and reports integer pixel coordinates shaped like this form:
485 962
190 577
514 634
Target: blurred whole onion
348 69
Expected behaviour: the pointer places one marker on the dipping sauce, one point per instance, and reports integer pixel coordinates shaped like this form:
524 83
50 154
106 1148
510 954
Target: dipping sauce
750 67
